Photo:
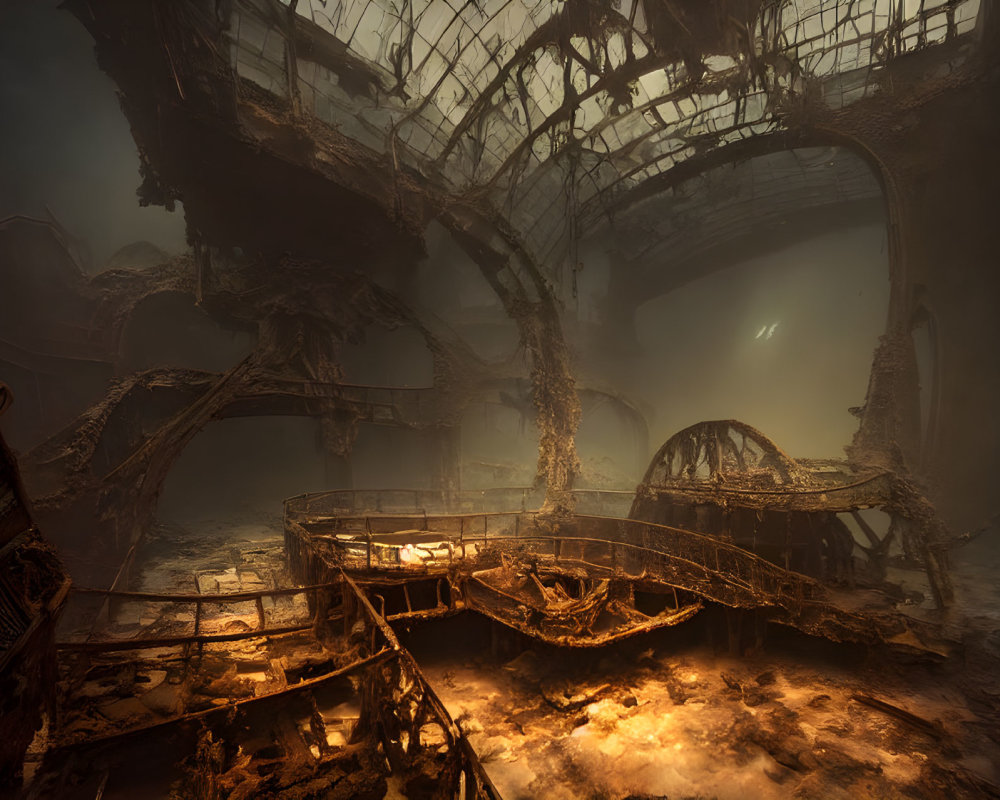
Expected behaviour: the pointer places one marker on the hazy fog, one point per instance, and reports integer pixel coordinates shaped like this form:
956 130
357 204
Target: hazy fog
65 144
783 342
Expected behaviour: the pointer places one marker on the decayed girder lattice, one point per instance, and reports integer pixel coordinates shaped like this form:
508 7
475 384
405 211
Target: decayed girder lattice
553 112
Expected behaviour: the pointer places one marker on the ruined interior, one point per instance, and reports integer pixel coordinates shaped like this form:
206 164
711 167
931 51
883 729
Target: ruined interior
513 398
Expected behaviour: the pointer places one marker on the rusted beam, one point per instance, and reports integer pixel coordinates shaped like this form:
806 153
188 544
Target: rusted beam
308 683
44 615
933 729
107 646
207 598
866 529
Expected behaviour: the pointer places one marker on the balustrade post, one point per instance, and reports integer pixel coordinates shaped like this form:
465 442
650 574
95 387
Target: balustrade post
260 612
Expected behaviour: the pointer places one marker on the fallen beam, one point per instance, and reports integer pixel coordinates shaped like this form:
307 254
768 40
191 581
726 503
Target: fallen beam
933 729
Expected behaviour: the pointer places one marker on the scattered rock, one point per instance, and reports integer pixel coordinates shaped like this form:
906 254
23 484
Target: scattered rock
793 753
731 682
766 678
124 710
778 773
679 693
153 678
126 680
81 729
522 718
226 686
164 699
526 666
753 696
604 714
95 689
562 697
840 727
813 787
838 763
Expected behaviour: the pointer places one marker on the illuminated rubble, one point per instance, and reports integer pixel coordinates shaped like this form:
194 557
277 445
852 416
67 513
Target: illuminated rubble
738 624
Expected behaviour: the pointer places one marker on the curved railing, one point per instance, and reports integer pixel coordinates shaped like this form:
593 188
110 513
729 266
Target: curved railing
867 491
379 404
715 569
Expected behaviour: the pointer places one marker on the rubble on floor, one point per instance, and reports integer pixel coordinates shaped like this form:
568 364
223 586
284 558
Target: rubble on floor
669 721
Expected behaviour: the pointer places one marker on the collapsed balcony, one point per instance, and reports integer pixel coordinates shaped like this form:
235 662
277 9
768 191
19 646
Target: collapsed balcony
277 675
423 241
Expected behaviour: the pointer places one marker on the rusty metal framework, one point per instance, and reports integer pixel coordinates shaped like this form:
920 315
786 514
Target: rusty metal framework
559 111
729 480
497 564
86 476
523 128
403 729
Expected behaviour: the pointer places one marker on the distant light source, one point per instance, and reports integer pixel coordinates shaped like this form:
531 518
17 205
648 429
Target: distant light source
767 331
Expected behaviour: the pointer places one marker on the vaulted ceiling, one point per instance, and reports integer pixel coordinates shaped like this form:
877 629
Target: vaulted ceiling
562 117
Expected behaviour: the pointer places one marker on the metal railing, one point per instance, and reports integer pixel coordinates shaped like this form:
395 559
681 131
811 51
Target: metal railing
399 703
197 636
395 696
379 404
713 568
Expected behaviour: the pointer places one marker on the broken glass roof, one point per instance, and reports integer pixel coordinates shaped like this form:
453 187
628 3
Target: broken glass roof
548 110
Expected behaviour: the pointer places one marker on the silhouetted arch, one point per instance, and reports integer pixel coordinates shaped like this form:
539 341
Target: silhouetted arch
721 447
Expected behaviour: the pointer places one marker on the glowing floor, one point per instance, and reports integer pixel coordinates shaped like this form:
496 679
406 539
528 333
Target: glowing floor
667 718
